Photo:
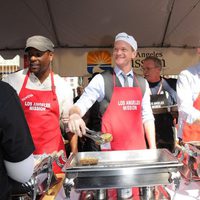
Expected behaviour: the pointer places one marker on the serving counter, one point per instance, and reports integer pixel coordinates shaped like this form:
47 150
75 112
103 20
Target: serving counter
153 174
122 169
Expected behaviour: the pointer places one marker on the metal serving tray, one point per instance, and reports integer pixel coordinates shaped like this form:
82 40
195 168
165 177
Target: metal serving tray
122 168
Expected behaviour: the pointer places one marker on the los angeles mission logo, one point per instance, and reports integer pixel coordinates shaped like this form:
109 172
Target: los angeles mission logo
37 106
98 61
128 104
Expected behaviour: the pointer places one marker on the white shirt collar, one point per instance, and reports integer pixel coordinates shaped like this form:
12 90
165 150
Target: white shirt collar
118 71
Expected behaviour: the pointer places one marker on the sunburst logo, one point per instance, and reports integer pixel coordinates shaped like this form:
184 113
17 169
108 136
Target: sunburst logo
98 61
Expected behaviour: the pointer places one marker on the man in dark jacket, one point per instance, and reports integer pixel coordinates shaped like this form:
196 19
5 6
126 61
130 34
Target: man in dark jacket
163 96
16 145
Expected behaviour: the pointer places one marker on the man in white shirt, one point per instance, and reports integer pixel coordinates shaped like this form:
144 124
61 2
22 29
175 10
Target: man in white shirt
188 96
124 106
45 97
132 110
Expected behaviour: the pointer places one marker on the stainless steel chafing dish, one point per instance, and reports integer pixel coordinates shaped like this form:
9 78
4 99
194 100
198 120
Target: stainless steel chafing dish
42 179
122 169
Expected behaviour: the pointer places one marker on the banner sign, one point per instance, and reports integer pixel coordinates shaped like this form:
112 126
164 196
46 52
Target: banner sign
85 61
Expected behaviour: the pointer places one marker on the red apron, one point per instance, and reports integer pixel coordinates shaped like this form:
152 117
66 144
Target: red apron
191 132
42 114
123 119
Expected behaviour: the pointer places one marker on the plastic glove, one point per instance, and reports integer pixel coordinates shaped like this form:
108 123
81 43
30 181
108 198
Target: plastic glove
76 124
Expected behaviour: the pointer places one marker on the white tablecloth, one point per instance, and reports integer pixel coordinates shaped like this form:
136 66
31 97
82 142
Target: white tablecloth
186 191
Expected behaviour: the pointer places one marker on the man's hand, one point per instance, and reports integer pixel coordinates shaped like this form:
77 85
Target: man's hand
197 122
76 124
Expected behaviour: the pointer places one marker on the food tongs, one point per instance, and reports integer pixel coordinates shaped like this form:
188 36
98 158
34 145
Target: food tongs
95 136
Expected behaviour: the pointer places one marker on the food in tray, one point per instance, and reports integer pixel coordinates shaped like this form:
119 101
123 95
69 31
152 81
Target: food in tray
107 137
89 161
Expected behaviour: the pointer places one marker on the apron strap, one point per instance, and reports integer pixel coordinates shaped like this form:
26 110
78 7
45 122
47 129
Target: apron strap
53 87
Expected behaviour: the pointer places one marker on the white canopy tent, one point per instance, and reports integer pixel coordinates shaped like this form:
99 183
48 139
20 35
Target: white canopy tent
79 26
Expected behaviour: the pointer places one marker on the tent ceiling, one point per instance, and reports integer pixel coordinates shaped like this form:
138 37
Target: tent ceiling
93 23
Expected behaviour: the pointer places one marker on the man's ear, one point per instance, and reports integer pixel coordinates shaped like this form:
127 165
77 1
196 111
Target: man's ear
134 54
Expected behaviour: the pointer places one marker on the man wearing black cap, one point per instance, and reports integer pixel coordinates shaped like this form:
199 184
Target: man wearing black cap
45 97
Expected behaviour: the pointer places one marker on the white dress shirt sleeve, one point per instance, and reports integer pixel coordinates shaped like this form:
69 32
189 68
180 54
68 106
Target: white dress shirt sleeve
93 92
147 113
64 94
188 88
20 171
